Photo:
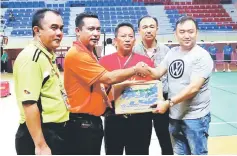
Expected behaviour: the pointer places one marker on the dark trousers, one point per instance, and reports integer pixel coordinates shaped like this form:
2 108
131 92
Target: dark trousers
132 133
86 134
55 135
161 125
3 66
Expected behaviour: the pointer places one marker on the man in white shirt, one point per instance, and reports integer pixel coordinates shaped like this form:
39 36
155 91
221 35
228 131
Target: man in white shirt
189 68
109 48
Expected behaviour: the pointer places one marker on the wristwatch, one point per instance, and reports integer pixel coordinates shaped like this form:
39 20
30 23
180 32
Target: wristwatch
170 102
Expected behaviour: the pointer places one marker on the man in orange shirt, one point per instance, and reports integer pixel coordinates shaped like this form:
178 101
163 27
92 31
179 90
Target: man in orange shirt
84 80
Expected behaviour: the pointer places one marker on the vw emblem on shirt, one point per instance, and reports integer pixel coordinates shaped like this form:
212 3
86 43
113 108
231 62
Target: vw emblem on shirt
176 68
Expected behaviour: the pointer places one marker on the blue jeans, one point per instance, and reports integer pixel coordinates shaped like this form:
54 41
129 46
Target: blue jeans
189 137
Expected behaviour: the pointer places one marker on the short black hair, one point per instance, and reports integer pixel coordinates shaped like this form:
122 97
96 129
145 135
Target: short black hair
183 19
128 24
79 19
109 41
147 16
202 40
169 41
39 15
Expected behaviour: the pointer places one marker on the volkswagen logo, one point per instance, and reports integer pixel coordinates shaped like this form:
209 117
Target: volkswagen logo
176 68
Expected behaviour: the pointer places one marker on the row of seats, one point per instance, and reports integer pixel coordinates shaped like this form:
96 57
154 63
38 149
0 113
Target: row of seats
28 32
117 8
34 4
116 21
172 7
29 10
206 19
217 19
206 1
220 10
196 2
88 3
127 13
202 15
181 11
152 2
213 27
170 2
27 23
55 5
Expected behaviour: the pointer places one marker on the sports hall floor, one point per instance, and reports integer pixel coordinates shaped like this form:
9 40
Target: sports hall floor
223 127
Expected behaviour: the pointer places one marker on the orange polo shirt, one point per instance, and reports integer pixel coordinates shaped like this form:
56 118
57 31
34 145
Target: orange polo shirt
81 71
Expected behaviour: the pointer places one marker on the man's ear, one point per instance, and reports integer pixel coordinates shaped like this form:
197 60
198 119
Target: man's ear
36 30
115 41
77 31
138 30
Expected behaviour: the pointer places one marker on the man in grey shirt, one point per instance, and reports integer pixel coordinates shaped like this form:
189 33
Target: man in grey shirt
150 48
189 68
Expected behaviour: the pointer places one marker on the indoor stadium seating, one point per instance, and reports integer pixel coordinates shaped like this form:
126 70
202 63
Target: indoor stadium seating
210 14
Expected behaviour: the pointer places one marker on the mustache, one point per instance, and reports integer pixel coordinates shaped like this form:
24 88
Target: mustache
95 39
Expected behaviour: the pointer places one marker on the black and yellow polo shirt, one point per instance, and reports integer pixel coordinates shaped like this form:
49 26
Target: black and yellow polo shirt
36 81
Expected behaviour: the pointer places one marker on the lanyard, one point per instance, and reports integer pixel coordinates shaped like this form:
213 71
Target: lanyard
62 90
126 63
104 92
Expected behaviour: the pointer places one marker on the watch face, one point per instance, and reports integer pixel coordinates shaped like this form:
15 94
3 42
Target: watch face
170 103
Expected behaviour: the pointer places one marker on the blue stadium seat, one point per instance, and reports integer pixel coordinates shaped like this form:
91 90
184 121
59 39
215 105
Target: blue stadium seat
17 4
49 5
41 4
55 5
36 4
4 4
29 4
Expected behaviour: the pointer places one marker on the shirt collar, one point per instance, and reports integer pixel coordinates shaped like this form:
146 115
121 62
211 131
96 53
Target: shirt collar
39 45
155 48
83 48
78 43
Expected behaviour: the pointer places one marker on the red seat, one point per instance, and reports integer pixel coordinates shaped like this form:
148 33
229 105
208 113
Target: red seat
186 7
204 20
188 3
167 7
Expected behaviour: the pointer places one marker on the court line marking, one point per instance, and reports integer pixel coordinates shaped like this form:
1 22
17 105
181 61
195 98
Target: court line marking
224 86
223 89
221 123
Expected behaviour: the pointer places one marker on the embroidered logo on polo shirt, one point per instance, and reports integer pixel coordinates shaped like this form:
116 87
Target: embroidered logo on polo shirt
176 68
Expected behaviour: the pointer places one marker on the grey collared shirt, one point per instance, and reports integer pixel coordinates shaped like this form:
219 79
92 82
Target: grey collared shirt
157 56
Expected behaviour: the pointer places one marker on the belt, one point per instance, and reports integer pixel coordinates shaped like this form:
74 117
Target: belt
86 120
83 115
49 124
55 125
